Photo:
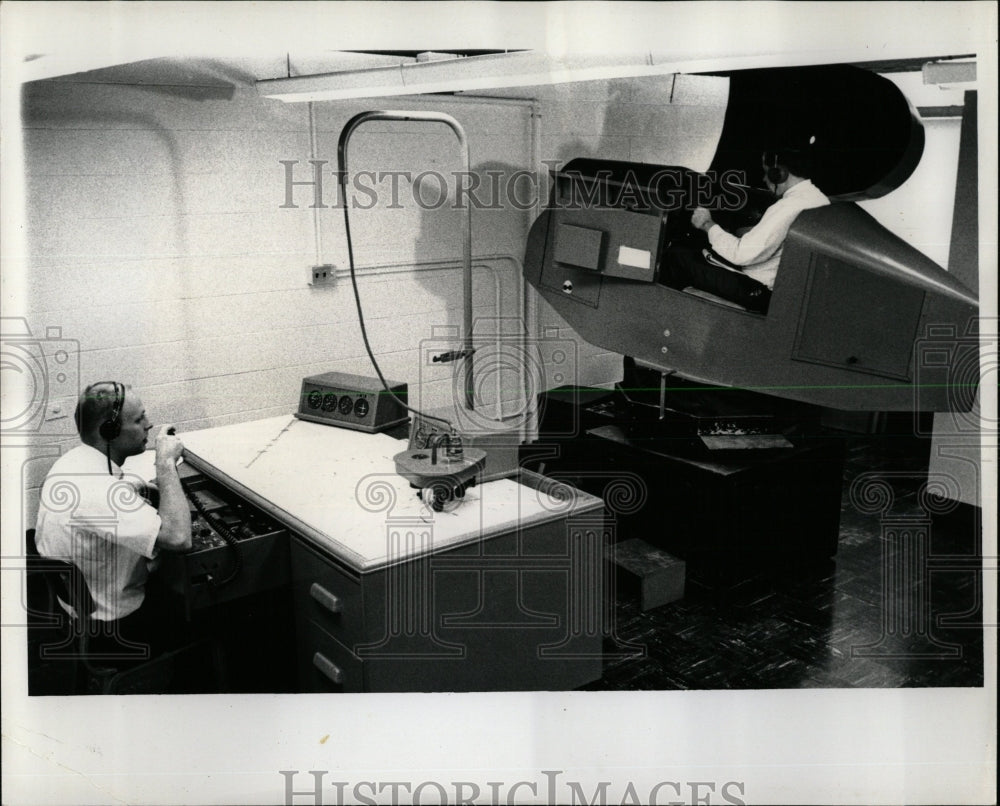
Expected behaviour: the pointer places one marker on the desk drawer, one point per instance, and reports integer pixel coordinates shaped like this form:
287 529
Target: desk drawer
326 595
326 665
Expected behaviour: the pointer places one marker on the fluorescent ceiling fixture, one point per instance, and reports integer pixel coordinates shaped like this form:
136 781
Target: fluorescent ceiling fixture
491 71
520 69
488 72
950 72
536 68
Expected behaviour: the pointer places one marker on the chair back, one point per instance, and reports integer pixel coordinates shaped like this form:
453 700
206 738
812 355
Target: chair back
92 648
63 578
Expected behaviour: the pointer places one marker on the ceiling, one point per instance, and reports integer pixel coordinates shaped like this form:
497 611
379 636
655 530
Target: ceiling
249 42
373 73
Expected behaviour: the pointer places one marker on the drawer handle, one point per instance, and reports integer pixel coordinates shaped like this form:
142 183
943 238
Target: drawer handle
329 669
330 601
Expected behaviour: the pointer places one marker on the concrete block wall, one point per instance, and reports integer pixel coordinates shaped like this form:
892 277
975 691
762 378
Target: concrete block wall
157 245
159 236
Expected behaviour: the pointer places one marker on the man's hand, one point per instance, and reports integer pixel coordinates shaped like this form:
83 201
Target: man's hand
169 448
175 517
701 219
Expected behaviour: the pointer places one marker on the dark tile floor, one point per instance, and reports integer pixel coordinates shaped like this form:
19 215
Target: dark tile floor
838 626
845 625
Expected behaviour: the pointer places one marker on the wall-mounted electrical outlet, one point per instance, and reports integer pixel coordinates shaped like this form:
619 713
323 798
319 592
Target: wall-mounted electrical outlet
323 275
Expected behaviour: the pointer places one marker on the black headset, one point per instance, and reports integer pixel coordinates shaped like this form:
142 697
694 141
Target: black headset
112 426
776 174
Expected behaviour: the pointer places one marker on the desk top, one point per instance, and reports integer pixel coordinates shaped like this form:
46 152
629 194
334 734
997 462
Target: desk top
339 489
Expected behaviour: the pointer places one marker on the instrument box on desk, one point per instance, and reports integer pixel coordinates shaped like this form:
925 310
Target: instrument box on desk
352 401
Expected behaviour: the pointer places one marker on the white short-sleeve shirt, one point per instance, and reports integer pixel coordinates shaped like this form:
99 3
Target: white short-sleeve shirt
759 250
100 523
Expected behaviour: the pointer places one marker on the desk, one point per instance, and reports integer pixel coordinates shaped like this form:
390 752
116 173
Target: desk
507 592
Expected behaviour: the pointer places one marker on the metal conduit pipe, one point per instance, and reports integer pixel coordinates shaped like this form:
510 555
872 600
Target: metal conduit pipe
456 127
529 297
314 155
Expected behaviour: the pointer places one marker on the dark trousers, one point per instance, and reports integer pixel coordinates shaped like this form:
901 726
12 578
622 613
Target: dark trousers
156 627
687 267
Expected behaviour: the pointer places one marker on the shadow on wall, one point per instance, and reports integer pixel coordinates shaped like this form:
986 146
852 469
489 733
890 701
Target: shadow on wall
501 197
105 196
660 120
49 133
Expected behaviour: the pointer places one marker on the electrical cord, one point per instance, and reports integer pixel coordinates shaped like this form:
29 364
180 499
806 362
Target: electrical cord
341 179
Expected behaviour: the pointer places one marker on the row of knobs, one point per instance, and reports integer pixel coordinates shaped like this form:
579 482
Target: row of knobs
329 402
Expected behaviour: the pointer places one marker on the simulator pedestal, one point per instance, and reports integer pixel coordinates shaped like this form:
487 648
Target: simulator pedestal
730 514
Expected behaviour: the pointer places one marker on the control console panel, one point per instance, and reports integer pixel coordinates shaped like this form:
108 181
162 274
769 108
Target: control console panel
236 550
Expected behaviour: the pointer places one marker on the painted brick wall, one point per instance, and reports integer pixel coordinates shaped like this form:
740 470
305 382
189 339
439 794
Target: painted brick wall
157 241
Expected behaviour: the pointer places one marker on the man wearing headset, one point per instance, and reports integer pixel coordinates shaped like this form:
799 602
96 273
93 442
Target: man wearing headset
92 513
754 256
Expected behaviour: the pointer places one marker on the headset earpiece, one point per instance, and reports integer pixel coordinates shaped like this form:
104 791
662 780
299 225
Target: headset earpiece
776 174
112 427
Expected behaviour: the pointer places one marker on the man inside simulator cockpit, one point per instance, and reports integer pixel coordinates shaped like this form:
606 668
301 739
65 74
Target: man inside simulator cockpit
749 262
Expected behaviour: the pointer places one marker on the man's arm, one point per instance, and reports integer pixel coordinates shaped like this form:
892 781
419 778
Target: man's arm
175 515
756 245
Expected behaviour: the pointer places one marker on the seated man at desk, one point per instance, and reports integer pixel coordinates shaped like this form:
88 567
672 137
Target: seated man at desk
88 516
754 256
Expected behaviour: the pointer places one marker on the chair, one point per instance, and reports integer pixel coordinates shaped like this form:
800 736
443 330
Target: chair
102 663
